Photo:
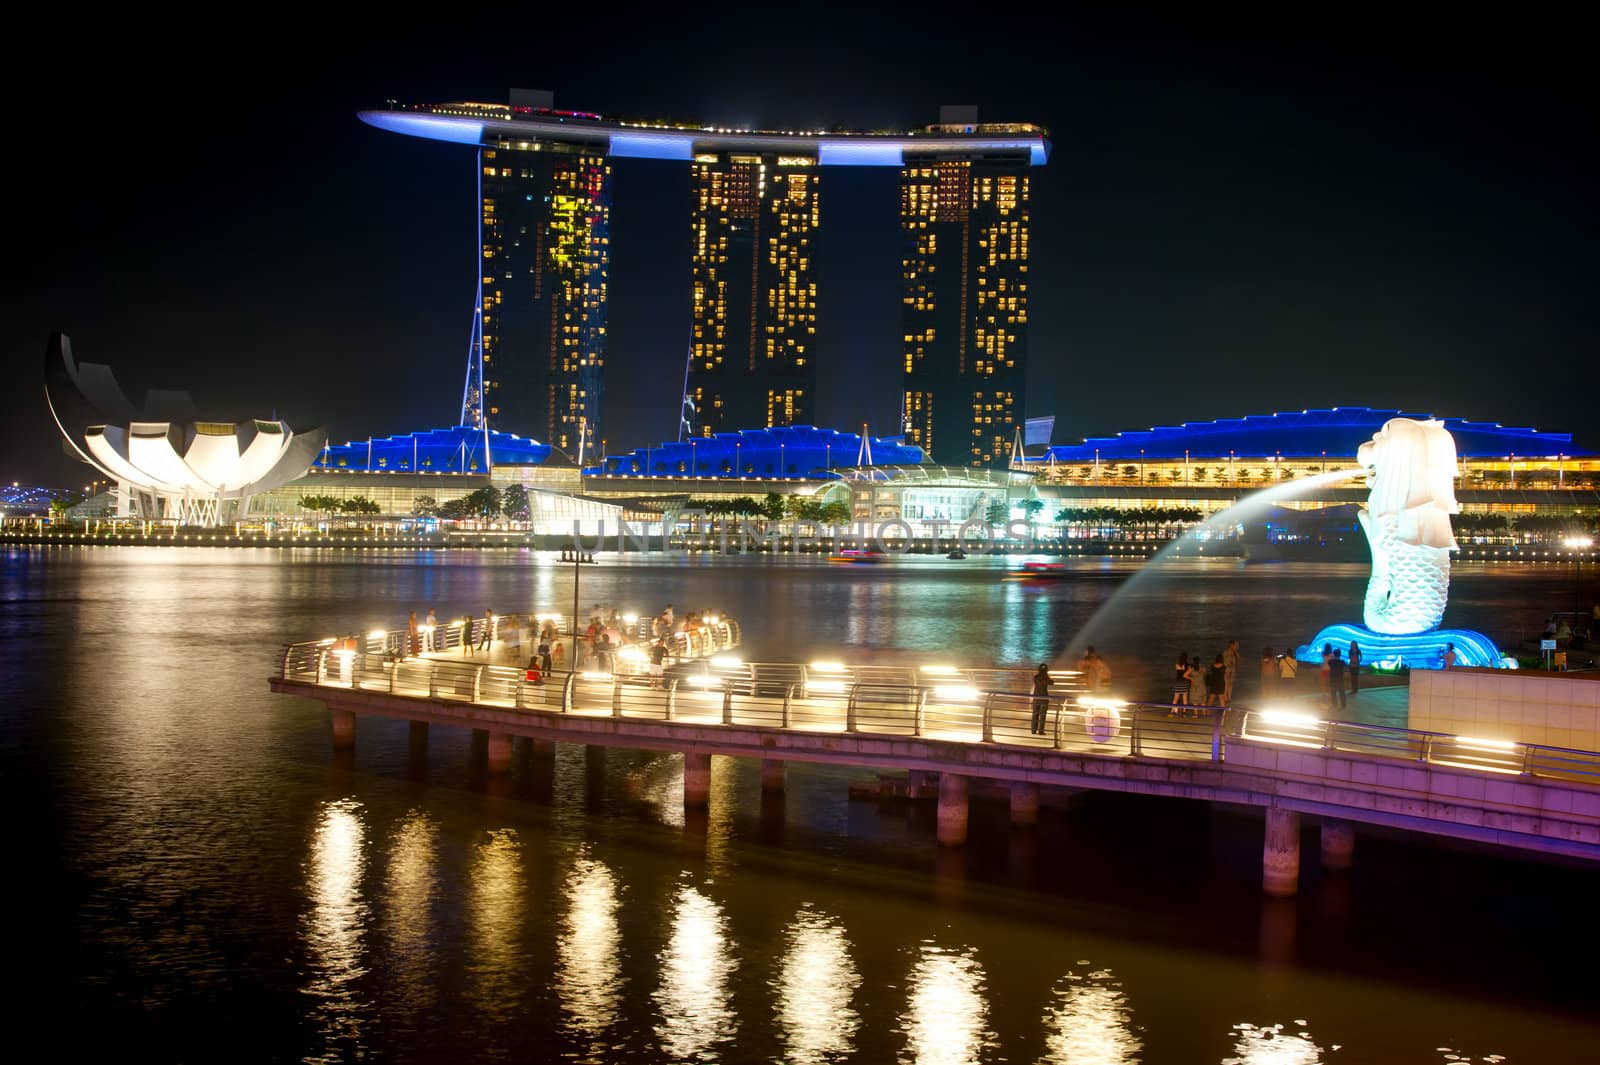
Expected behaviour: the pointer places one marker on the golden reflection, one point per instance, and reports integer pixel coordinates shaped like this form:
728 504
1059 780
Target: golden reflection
411 889
495 906
1273 1045
948 1019
1089 1022
589 979
816 982
696 965
334 925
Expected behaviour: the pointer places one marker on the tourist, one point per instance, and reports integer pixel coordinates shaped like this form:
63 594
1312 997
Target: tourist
1197 684
1355 667
1322 674
1449 657
430 630
1336 680
1269 672
1288 668
1041 698
486 641
1216 682
1096 672
658 659
412 645
602 652
1230 659
667 616
544 652
1180 682
1563 633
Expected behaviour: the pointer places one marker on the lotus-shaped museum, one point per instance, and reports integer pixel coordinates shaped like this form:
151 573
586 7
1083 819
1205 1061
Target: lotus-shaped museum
168 464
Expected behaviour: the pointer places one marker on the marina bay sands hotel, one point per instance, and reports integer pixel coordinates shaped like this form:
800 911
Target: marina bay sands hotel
537 358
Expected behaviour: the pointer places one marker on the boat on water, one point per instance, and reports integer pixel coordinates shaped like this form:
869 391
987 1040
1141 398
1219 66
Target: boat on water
1038 571
957 554
859 557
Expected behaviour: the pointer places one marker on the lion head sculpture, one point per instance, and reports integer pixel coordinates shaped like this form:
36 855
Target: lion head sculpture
1411 471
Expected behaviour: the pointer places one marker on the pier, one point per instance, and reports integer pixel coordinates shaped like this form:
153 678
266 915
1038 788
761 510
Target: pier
961 724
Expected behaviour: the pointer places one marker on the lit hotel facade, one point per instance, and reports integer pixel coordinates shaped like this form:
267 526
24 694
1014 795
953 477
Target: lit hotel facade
538 354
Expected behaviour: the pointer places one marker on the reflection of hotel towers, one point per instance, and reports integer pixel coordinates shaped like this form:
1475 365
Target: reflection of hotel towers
540 320
964 236
754 290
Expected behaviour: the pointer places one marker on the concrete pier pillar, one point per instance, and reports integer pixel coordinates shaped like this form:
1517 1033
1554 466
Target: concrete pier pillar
499 752
1280 854
696 779
772 774
344 728
1024 803
952 809
1338 844
921 783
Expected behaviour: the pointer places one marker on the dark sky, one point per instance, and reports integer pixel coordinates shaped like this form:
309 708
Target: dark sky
1238 216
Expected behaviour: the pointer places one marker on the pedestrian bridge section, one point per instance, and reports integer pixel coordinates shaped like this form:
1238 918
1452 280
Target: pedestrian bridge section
961 723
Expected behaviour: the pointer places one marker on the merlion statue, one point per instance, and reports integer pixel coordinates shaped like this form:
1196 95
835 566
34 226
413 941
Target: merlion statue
1411 473
1411 470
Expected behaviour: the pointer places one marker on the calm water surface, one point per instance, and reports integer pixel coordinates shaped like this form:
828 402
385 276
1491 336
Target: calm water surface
195 877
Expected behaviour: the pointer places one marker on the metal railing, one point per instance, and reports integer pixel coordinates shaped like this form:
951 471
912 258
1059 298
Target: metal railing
875 701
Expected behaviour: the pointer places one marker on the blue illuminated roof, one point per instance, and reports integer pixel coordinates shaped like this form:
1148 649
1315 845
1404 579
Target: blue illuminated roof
647 141
459 449
1337 431
784 451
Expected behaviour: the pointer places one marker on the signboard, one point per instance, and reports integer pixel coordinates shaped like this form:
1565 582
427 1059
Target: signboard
1547 645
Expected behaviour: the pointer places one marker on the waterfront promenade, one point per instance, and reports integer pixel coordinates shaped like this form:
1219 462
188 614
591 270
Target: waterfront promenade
949 725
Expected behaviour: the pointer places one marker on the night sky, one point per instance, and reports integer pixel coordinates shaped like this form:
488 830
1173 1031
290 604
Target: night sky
1238 216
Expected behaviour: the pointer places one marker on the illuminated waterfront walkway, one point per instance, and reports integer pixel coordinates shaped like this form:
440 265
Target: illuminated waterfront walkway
975 723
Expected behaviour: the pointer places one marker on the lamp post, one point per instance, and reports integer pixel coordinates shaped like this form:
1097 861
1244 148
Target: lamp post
1230 466
1141 465
579 558
1577 545
694 458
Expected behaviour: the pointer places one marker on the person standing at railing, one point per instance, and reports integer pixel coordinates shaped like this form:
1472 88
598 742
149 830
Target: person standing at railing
658 660
1041 698
1336 680
1355 667
544 653
430 630
1269 672
1230 662
1180 683
486 641
413 645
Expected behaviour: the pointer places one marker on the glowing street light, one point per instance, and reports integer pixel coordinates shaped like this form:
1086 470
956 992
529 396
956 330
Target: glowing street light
1577 545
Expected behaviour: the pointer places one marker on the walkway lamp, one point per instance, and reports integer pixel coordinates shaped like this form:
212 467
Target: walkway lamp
1578 545
1141 465
578 558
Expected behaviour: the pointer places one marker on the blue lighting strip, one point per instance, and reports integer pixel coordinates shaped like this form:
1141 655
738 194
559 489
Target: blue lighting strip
1419 650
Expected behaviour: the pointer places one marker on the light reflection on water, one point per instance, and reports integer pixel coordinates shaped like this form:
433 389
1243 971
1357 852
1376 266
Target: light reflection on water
589 952
947 1018
816 983
496 892
696 966
336 922
409 899
1089 1022
1273 1045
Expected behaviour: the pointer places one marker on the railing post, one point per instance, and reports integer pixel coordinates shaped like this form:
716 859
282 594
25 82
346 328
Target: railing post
566 692
1427 748
919 714
321 664
1527 759
788 698
616 696
283 662
433 680
516 696
1216 739
672 697
477 683
394 674
727 706
988 718
1134 749
1061 708
1327 734
850 710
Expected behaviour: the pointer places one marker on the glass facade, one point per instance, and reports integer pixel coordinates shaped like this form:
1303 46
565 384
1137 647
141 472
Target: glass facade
546 249
754 290
964 270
